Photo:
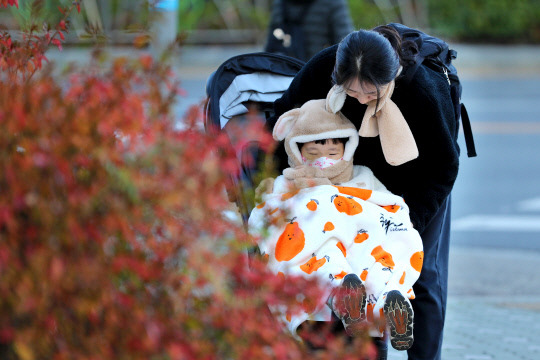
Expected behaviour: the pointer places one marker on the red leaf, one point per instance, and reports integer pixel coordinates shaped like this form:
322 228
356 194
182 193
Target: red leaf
6 335
57 43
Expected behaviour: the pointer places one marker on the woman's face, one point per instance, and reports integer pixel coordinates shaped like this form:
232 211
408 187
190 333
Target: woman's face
363 92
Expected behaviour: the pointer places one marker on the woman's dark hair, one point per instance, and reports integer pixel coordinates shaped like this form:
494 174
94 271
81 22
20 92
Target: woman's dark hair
406 50
372 56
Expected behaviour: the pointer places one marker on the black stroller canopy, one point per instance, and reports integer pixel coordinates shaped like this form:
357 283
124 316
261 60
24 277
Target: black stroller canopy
257 77
241 81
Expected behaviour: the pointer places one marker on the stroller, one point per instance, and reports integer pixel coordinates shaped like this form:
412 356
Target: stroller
242 84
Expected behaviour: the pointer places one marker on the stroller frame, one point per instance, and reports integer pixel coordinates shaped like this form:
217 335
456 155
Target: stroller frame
274 72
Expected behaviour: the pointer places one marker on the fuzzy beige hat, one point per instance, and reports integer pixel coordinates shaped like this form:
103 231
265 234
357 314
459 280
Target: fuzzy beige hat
314 121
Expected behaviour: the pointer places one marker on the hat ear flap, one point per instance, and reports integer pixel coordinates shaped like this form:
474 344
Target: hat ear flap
335 99
285 124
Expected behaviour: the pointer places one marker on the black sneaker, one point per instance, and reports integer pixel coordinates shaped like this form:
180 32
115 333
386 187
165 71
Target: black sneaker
349 304
399 317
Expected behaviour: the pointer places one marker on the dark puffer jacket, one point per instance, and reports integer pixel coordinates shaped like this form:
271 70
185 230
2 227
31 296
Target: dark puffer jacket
325 22
425 103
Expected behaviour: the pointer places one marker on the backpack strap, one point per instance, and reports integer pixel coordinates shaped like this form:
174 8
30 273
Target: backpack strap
467 132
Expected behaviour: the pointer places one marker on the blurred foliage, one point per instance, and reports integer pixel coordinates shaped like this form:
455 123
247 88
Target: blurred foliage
461 20
487 20
114 239
190 13
35 13
129 15
231 14
121 14
365 14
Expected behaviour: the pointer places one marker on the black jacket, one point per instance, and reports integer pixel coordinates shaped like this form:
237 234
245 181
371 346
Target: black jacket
425 103
323 22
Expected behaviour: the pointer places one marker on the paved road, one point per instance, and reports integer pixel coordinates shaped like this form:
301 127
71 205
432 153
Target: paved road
497 198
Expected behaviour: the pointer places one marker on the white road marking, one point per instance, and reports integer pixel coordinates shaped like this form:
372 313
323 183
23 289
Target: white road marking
523 223
529 205
497 127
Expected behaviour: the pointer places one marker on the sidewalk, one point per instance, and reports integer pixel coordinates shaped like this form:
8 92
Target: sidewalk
493 306
494 296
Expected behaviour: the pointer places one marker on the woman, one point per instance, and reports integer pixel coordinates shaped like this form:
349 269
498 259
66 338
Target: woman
322 23
365 65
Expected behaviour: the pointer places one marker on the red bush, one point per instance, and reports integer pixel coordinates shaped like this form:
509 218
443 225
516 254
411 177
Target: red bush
113 243
6 3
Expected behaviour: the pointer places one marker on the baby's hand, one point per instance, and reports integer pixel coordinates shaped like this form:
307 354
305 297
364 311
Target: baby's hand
296 172
265 187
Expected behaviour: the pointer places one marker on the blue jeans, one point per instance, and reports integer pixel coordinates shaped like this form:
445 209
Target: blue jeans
431 288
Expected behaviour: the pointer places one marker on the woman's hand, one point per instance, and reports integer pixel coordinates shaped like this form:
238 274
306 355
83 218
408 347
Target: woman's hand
303 171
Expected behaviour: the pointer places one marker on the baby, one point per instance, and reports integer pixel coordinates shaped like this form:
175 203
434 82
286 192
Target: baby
344 227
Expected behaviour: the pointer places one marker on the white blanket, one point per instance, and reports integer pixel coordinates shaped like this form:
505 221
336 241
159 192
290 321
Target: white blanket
329 231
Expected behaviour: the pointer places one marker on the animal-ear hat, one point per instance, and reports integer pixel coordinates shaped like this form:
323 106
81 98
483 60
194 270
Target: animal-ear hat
315 120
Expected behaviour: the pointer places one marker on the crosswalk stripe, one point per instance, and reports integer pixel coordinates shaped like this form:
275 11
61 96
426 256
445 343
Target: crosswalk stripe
518 127
518 223
529 205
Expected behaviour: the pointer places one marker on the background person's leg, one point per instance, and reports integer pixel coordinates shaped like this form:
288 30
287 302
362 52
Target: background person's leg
382 347
431 288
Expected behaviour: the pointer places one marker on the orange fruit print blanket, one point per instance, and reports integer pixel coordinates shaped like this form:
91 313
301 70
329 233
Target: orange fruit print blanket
326 232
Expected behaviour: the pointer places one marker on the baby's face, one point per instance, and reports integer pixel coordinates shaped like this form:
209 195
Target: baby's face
312 151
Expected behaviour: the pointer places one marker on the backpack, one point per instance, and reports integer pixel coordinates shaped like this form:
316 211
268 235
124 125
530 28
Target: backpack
287 36
437 55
